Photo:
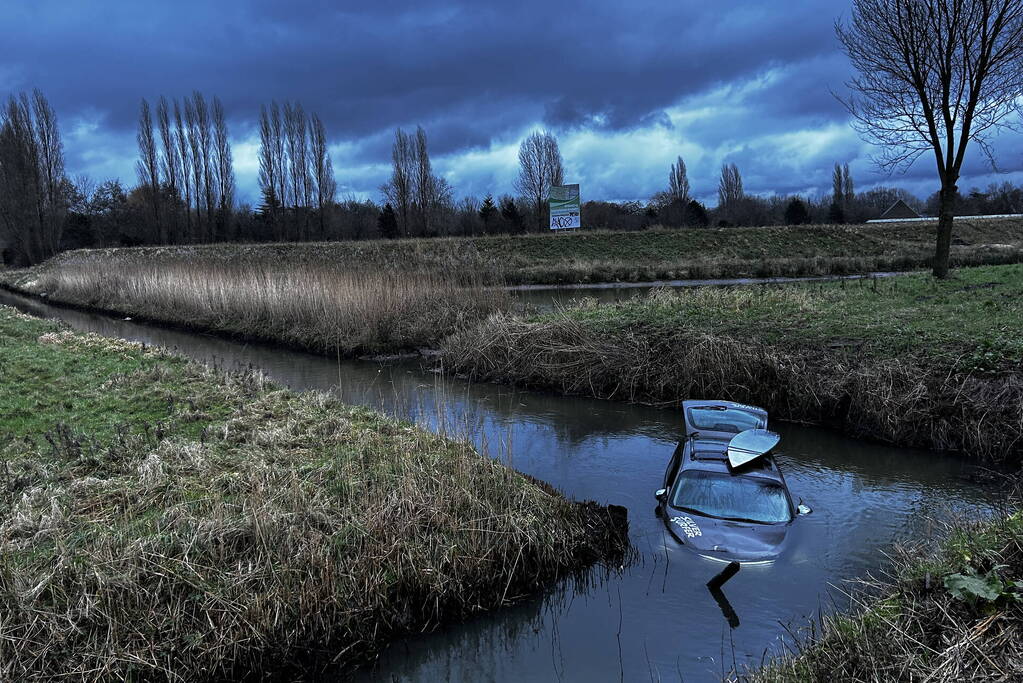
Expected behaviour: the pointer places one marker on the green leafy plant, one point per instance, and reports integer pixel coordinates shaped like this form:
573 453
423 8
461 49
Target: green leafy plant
989 587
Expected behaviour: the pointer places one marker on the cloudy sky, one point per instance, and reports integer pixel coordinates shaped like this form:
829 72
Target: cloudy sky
626 86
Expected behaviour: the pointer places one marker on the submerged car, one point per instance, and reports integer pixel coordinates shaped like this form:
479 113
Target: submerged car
723 495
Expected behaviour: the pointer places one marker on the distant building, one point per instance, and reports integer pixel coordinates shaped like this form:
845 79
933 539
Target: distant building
899 209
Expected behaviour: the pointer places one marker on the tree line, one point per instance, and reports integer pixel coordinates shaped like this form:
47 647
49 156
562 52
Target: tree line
185 191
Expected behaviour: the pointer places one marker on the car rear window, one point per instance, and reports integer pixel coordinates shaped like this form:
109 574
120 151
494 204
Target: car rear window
720 419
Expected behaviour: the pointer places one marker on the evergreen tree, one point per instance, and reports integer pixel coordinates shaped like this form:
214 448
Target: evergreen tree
796 212
388 222
487 211
696 214
510 212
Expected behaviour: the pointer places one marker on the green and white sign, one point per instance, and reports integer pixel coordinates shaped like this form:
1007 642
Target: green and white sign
564 205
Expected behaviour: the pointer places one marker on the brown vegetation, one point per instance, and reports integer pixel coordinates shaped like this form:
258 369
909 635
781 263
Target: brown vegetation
316 307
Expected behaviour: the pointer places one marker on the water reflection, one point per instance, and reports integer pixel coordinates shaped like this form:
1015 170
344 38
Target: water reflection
654 619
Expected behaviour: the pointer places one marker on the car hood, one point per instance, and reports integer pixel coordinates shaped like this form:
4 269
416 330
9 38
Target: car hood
726 540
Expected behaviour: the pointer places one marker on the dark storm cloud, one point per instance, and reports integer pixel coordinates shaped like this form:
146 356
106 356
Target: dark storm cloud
368 65
475 75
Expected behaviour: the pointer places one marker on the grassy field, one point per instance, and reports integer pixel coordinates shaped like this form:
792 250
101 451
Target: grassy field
908 360
951 614
347 311
596 256
163 521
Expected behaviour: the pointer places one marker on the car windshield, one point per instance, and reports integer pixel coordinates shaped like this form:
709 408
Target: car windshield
721 419
730 497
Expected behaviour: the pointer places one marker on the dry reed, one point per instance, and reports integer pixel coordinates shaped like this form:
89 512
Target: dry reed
316 307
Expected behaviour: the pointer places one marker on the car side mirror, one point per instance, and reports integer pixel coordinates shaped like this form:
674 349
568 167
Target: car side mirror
803 509
660 493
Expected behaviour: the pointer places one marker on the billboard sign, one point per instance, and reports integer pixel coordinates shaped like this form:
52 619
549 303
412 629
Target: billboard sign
564 206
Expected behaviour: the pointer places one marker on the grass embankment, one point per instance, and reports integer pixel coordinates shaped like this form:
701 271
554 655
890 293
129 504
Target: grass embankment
316 307
953 614
604 256
910 360
162 521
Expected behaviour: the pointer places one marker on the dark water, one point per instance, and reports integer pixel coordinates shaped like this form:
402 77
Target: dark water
549 296
654 620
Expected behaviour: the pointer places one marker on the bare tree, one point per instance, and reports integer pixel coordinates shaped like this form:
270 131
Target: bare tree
204 161
848 195
848 189
399 190
223 167
294 132
836 213
184 158
678 188
148 168
195 153
678 181
424 183
268 170
540 166
19 188
933 76
323 171
54 184
730 186
169 164
34 192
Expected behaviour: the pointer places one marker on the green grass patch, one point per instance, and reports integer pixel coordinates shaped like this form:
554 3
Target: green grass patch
971 322
48 376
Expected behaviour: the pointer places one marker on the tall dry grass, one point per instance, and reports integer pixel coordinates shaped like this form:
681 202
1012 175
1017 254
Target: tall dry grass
317 307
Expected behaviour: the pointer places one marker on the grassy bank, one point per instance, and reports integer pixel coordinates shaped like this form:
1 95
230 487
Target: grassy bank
951 614
909 360
316 307
162 521
597 256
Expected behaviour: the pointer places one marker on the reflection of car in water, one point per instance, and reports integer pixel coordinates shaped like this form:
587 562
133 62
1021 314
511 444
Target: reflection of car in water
734 509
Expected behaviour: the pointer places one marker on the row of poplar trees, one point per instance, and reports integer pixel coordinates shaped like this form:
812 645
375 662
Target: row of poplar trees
296 177
185 170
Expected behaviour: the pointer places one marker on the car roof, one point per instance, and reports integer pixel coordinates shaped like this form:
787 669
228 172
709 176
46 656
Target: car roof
711 455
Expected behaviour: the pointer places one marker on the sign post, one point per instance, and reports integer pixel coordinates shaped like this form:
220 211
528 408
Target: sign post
564 206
